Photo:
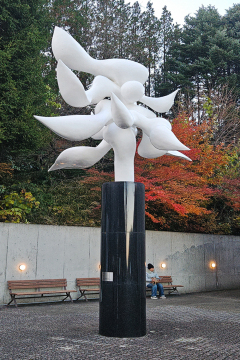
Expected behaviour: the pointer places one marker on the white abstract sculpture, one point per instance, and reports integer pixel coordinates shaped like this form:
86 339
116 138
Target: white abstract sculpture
115 121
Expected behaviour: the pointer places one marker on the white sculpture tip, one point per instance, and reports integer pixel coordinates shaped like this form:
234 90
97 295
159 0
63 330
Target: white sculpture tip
121 115
56 29
51 168
179 154
164 139
38 117
161 104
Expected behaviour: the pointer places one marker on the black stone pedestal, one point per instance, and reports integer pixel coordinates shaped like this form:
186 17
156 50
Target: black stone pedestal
123 283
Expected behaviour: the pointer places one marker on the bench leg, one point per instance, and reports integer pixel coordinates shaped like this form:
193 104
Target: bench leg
175 289
68 295
85 296
82 294
12 300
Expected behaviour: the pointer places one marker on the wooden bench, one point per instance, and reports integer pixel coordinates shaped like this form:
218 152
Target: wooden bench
166 281
88 286
23 287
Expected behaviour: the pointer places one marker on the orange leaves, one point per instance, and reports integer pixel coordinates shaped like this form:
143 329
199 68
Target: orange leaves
180 191
96 177
154 220
209 161
198 196
5 169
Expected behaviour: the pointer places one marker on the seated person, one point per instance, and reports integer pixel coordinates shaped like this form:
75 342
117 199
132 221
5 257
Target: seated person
151 279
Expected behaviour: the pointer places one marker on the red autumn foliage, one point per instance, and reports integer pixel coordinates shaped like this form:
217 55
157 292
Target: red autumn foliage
198 196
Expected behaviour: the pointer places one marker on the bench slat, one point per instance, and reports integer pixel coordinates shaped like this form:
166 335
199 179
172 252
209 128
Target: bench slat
43 292
87 281
84 279
37 281
90 289
31 284
38 284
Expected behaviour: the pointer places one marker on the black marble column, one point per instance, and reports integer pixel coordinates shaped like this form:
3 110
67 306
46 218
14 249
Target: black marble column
123 294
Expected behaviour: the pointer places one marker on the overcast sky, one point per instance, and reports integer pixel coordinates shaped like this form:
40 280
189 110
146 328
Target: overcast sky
180 8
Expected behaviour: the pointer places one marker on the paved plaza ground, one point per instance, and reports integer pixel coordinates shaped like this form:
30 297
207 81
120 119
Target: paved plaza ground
193 326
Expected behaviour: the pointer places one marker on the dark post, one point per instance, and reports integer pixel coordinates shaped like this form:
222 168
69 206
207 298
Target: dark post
123 284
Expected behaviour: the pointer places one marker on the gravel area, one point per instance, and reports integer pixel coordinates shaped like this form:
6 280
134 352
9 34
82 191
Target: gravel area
190 326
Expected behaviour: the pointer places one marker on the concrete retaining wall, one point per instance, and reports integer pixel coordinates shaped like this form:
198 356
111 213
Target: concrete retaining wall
71 252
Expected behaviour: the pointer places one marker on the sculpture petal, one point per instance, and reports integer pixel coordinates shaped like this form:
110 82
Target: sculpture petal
78 127
179 154
147 150
159 132
161 104
147 124
80 157
127 70
164 139
121 115
71 87
102 87
66 48
142 110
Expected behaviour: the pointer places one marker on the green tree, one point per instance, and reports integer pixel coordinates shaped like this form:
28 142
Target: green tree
134 43
231 20
166 30
202 57
167 75
151 43
232 26
24 34
106 39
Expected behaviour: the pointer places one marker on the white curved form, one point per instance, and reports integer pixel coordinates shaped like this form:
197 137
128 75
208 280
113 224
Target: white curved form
115 91
102 87
121 115
147 150
74 93
132 91
123 155
80 157
178 154
164 139
142 111
98 135
77 127
66 48
162 104
147 124
71 87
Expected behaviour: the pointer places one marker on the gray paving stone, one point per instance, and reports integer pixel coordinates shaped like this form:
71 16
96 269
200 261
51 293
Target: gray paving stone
188 327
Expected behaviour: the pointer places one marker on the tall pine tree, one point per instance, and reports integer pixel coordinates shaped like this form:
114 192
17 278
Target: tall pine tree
24 34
